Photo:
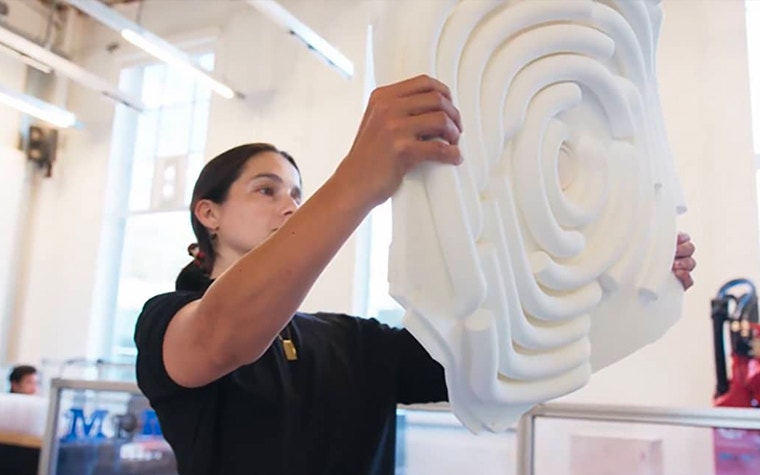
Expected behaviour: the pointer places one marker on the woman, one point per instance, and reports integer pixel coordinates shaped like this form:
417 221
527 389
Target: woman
241 383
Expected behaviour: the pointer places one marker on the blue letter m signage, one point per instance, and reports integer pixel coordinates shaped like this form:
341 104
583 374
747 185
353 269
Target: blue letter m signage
83 428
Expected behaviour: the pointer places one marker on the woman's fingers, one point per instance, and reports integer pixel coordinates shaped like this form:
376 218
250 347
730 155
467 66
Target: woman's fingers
417 85
435 151
433 102
685 263
433 125
685 250
685 278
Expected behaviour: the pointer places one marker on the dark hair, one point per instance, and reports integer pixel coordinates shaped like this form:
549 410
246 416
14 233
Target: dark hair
214 184
20 372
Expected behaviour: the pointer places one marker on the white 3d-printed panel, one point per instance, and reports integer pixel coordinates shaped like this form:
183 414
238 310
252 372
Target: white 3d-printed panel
546 255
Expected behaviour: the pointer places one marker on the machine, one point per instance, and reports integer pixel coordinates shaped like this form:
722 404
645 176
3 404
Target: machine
735 309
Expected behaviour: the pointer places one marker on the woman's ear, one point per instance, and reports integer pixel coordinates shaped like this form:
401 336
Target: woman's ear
207 213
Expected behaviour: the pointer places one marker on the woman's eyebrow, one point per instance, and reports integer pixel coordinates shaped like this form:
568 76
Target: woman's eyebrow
271 176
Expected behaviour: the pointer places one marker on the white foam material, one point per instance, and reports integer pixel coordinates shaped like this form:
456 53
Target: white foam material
546 255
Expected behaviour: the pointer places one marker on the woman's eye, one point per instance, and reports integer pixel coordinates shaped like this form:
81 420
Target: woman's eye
268 191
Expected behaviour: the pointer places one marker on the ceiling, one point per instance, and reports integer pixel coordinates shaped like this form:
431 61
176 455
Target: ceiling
61 4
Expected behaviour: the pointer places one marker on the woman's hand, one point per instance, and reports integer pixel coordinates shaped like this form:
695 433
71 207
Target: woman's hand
404 124
684 263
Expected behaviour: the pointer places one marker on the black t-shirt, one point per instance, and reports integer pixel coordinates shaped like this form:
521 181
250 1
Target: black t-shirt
331 411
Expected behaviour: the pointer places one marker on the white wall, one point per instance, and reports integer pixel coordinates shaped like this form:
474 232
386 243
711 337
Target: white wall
292 99
18 178
705 93
298 103
13 170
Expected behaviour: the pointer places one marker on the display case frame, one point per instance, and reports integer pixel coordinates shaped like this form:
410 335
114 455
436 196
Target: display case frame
714 418
51 442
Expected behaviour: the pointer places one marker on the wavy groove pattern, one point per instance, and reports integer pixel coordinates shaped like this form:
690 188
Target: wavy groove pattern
547 254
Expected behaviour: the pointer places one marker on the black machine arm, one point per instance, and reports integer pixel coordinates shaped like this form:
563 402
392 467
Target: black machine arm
737 312
719 319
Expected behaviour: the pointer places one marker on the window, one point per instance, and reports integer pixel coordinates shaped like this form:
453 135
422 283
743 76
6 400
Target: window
168 141
380 304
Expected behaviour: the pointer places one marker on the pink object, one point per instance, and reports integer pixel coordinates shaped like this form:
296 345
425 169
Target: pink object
592 454
737 451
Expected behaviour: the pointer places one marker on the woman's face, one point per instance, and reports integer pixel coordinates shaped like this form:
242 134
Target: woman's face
259 202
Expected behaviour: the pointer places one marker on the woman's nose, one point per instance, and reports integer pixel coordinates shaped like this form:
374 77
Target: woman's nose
290 207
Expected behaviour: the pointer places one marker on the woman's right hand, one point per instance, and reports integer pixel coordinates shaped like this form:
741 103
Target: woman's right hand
404 124
259 293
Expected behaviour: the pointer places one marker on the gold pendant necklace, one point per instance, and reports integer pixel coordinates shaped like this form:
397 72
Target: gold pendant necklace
287 345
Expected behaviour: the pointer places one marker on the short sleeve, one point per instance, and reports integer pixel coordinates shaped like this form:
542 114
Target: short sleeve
418 377
152 378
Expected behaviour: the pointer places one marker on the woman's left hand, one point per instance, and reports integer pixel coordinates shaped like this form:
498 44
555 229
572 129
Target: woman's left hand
684 263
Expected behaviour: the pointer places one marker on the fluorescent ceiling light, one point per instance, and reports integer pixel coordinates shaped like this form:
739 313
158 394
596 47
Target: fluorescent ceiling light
42 110
26 59
185 64
66 68
313 41
151 44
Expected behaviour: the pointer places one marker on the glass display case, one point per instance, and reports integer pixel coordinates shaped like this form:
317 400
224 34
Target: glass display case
102 428
107 428
573 439
431 440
